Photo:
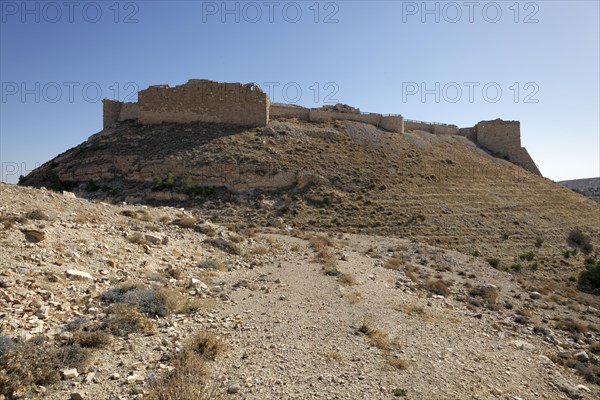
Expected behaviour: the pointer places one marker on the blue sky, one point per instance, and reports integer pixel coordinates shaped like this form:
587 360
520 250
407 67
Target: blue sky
454 62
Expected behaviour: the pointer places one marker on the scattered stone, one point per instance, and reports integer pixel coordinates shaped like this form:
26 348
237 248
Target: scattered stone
582 356
33 236
77 396
153 239
535 295
76 274
584 388
70 373
523 345
233 388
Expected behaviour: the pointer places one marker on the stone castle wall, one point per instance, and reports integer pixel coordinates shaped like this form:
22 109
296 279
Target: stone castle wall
438 129
204 100
393 123
117 111
503 138
248 105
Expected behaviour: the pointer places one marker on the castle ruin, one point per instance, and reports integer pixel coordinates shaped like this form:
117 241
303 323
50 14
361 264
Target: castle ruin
248 105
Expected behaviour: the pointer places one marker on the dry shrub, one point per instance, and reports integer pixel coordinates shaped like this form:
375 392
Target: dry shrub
37 362
153 301
185 222
347 279
353 297
136 237
93 339
570 325
392 263
37 215
334 355
207 345
377 337
261 250
224 245
124 320
325 256
397 363
438 287
141 215
487 292
190 379
319 242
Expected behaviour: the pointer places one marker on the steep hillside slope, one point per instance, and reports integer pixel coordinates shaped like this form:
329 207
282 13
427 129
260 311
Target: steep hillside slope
352 177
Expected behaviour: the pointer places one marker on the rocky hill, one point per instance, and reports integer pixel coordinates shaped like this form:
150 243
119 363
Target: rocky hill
130 301
344 176
588 187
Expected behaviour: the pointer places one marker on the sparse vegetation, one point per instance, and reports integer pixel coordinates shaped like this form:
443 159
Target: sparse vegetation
392 263
190 379
581 240
37 362
438 287
123 320
347 279
224 245
494 262
539 241
397 363
529 256
516 267
93 339
589 278
153 301
335 356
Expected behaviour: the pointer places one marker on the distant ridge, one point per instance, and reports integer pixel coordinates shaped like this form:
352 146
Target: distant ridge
588 187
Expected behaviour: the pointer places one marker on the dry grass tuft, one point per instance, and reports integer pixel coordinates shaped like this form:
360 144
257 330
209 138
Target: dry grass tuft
353 297
397 363
190 379
347 279
95 339
37 362
185 222
334 356
206 345
392 263
124 320
438 287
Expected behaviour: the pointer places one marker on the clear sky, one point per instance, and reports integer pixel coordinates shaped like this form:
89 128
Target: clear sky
454 62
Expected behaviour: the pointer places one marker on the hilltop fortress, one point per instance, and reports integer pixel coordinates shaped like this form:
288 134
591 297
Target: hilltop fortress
248 105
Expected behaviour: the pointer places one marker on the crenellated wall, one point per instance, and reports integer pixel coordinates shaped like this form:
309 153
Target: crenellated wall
204 100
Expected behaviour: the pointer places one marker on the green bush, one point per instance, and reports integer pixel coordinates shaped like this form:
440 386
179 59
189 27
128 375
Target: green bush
516 267
589 279
494 262
529 256
579 239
